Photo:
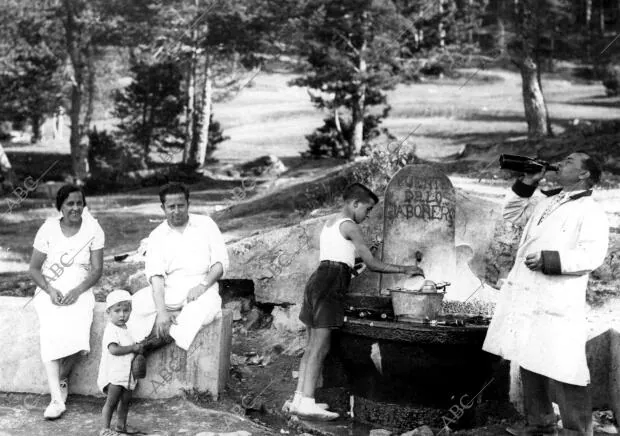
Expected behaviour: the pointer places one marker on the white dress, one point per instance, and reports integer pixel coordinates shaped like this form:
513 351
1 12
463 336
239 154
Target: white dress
65 330
115 369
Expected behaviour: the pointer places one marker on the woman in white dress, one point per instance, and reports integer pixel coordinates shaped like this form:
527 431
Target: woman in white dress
67 260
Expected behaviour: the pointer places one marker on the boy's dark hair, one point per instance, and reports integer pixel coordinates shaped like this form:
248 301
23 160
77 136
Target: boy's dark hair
359 192
64 192
173 188
593 165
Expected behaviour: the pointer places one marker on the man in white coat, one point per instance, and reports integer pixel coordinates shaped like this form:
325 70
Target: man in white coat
185 258
539 321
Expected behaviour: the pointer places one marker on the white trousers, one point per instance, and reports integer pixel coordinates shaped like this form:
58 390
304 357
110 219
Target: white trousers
200 312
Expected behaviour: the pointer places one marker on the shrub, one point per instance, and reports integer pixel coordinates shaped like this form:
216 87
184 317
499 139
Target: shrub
611 79
328 141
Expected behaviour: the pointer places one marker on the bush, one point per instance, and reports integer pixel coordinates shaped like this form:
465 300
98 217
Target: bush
329 142
107 157
611 79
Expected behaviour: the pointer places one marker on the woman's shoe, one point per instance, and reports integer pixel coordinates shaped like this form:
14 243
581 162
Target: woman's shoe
54 410
138 366
64 389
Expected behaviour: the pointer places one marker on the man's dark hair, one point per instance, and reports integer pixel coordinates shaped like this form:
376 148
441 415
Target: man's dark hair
173 188
64 192
593 165
359 192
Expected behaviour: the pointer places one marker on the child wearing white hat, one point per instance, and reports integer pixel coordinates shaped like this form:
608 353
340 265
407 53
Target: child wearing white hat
117 352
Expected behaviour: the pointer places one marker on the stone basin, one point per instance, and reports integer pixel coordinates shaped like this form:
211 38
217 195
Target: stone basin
401 374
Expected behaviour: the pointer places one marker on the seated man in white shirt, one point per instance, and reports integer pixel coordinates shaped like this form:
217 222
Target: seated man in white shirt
185 258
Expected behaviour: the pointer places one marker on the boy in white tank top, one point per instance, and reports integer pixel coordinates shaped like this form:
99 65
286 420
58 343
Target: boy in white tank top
323 306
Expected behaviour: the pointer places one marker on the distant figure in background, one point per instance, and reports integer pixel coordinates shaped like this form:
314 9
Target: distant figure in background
323 305
186 257
118 349
67 260
58 122
540 322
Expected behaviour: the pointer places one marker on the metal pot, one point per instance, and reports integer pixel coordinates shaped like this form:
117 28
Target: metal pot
418 305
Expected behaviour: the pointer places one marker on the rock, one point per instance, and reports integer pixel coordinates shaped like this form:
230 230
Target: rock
136 281
264 165
234 433
287 318
420 205
235 306
380 432
256 319
424 430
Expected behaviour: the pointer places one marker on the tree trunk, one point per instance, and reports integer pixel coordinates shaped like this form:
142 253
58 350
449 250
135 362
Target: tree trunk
357 110
501 35
523 56
533 100
601 17
78 145
207 98
36 129
190 109
440 30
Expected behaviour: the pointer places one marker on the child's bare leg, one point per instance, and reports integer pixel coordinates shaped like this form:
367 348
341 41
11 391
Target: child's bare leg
122 410
317 351
114 395
304 362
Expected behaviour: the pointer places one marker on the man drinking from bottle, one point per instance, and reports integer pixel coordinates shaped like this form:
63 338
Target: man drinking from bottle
540 322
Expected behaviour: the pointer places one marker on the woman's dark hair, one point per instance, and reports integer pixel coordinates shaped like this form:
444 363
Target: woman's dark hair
173 188
64 192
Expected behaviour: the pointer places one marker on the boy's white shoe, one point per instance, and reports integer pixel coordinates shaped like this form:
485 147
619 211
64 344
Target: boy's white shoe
308 409
64 389
54 410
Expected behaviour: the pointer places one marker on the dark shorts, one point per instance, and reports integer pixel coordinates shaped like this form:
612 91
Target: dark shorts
323 305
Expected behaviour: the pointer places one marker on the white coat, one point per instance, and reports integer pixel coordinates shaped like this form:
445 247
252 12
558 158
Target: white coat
539 321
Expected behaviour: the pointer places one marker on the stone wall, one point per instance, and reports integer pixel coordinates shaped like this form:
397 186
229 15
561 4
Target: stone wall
170 370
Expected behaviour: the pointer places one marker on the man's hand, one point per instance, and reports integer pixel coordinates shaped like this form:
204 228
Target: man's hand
138 348
195 292
71 297
163 322
534 261
534 179
55 295
414 270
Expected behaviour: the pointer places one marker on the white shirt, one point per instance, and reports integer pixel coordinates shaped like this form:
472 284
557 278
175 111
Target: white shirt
115 369
333 246
184 258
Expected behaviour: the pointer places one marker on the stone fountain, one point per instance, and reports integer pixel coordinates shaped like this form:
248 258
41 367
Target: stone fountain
401 374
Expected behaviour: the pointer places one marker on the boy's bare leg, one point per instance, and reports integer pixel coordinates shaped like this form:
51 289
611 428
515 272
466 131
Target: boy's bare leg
318 347
114 395
122 410
303 363
317 351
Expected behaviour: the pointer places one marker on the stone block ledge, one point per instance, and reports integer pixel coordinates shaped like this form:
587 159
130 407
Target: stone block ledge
170 370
